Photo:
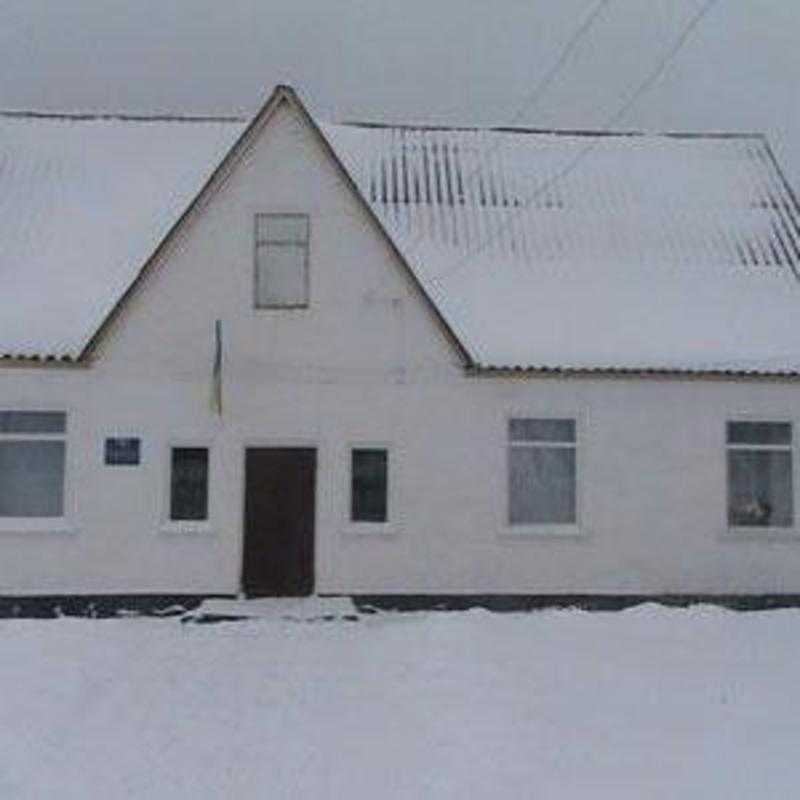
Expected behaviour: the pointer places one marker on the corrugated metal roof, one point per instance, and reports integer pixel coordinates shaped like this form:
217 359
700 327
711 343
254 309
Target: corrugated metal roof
576 250
544 251
673 199
84 201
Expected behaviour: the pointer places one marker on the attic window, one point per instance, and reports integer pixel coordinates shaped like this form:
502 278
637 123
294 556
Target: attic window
281 261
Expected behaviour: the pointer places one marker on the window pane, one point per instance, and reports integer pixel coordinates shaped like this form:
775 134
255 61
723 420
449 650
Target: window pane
280 275
760 488
31 479
759 432
369 486
189 495
541 430
33 421
541 485
282 228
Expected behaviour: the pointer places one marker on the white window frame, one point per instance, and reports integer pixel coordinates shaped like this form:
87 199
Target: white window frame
548 530
306 264
189 526
64 523
757 532
392 525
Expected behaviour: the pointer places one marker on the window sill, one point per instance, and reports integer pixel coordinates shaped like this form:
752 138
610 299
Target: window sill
542 532
56 525
755 534
187 527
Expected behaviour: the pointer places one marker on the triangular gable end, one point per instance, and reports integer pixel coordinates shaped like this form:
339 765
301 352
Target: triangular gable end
281 94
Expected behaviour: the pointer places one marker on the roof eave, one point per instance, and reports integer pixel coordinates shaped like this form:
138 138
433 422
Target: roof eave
682 373
40 360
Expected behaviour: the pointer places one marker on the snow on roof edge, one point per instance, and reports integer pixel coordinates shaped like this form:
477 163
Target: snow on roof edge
580 132
113 116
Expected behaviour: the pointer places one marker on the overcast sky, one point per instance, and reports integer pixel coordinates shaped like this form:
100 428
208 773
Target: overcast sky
450 61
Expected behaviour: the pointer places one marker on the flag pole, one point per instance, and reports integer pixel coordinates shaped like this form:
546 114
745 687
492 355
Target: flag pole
216 377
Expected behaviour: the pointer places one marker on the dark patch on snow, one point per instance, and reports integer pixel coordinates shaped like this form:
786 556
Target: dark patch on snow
210 619
323 618
98 606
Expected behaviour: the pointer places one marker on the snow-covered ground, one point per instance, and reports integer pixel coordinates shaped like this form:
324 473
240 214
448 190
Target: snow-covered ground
645 703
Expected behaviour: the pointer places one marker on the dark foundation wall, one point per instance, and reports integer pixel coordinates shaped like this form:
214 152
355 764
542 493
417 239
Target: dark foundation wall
181 605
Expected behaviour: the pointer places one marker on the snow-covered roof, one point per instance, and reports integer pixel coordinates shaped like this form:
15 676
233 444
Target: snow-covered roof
558 251
540 250
84 201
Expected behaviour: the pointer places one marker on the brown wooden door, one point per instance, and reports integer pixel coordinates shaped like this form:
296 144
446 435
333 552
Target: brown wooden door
279 522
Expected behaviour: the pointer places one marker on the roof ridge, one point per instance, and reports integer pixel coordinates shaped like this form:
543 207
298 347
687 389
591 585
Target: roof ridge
557 131
89 116
102 116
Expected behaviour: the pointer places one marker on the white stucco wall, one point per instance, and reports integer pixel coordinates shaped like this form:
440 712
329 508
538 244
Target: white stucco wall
368 363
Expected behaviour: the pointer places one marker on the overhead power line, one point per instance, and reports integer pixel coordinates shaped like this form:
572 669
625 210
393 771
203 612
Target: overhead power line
609 123
549 76
541 87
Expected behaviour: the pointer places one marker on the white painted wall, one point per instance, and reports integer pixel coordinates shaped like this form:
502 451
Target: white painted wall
368 363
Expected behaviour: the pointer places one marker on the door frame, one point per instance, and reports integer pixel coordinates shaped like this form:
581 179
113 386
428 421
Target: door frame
281 442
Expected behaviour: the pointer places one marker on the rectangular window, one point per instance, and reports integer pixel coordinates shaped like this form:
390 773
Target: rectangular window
281 260
189 484
541 472
32 463
122 451
369 485
760 486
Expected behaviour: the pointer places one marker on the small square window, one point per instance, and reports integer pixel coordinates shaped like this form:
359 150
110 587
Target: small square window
542 472
281 260
760 483
189 484
122 451
369 485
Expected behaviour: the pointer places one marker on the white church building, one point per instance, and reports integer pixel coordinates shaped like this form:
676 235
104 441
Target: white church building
287 357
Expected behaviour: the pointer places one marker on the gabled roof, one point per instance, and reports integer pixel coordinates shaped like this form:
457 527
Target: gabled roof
150 197
538 250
